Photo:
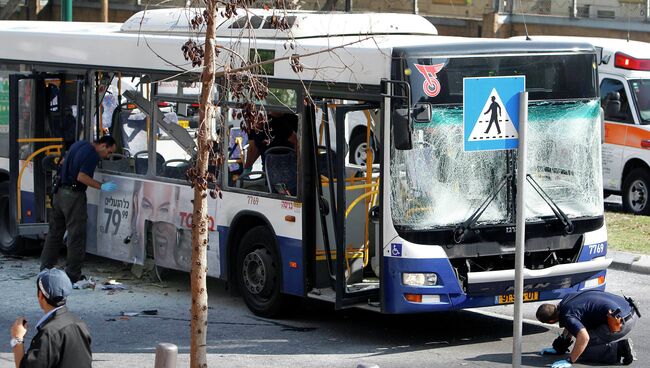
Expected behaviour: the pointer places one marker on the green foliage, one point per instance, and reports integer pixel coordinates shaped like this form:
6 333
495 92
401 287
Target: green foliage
627 232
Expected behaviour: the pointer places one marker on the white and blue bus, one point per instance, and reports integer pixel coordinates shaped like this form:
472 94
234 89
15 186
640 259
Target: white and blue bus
376 206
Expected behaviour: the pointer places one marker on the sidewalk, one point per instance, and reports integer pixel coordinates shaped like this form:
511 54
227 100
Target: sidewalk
632 262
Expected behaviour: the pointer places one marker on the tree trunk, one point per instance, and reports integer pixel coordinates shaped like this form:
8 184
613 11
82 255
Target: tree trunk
199 323
104 11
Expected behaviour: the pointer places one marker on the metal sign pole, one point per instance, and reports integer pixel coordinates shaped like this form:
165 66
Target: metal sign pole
521 231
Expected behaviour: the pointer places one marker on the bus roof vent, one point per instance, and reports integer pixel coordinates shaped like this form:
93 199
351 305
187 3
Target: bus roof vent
298 24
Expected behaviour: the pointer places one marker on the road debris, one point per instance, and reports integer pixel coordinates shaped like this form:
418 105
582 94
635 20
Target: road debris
113 285
88 283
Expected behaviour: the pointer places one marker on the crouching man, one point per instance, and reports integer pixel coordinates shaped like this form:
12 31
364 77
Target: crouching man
598 320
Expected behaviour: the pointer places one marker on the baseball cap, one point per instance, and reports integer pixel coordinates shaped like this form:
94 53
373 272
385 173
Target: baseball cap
54 284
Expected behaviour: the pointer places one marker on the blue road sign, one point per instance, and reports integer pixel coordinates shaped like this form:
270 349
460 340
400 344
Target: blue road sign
491 112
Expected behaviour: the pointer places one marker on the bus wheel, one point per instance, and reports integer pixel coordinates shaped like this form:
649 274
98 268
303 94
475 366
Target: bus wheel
636 192
9 243
358 149
258 273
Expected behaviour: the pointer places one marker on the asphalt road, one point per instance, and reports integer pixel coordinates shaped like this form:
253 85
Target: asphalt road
314 336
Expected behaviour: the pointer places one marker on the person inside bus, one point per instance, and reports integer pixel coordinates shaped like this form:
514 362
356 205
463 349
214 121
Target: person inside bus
598 320
69 212
282 133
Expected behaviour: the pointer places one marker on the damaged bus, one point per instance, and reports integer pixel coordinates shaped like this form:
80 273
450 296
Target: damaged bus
408 223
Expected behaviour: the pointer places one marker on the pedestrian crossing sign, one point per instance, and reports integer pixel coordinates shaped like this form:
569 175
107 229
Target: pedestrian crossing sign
491 112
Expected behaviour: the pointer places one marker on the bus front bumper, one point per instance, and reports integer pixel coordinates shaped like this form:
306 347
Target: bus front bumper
483 288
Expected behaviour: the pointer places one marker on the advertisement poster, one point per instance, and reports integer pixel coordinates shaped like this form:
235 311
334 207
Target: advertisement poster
165 210
116 230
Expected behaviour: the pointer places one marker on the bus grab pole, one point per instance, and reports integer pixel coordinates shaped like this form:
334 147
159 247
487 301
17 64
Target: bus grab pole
521 231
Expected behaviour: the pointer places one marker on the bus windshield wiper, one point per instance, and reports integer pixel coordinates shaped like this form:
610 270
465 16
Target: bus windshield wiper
462 230
568 224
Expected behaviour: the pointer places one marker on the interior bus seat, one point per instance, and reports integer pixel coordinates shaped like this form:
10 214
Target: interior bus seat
51 162
254 180
281 169
176 169
142 162
116 162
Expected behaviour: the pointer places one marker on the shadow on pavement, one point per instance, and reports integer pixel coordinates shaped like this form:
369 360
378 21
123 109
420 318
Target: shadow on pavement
529 359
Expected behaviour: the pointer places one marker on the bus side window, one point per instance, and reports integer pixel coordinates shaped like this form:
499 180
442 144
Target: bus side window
615 102
174 161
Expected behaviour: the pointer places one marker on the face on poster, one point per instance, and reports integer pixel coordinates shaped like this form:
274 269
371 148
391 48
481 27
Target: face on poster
124 214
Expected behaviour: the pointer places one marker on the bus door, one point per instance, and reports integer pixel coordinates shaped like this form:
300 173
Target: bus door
347 191
45 118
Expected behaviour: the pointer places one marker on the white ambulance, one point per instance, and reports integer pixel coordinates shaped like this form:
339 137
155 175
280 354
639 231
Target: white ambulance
624 79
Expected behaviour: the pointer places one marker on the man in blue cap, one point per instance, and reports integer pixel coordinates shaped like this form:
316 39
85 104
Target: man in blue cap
62 339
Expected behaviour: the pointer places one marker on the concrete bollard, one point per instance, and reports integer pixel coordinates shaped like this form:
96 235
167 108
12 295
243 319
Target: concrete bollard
166 354
363 365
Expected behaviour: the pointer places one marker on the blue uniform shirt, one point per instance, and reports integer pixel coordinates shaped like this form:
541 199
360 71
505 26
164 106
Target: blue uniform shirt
589 309
81 157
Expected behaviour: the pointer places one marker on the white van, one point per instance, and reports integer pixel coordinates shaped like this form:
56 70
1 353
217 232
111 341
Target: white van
624 79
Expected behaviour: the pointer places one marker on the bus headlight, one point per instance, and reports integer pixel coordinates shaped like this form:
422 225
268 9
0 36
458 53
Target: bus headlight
419 279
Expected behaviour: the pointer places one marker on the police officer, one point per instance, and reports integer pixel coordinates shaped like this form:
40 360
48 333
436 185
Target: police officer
62 339
69 203
598 320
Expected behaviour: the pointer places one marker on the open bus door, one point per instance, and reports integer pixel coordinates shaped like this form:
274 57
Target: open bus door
45 118
346 231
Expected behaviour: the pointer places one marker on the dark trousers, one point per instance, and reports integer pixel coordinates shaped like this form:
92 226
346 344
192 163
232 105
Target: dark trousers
69 213
603 345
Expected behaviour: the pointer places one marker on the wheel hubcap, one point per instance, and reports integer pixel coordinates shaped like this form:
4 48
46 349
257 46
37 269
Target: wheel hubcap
638 195
254 272
361 154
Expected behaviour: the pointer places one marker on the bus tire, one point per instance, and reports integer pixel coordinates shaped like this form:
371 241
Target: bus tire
358 148
9 243
259 273
636 192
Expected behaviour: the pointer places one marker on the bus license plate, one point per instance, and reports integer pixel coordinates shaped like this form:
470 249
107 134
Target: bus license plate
510 298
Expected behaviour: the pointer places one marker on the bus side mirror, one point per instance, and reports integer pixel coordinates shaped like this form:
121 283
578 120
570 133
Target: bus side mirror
402 130
422 113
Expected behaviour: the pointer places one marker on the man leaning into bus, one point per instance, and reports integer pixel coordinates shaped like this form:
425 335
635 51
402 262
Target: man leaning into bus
69 203
598 320
62 339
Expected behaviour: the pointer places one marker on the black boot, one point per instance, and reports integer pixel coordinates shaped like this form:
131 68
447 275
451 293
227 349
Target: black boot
625 351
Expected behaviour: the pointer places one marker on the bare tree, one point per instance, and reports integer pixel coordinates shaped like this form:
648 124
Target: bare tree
243 81
199 177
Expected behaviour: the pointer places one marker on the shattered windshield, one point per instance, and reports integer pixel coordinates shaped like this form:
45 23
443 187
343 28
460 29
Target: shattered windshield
641 91
437 184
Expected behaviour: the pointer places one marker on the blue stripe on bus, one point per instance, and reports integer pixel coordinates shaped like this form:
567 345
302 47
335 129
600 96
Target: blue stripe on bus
591 251
290 251
292 278
223 252
27 203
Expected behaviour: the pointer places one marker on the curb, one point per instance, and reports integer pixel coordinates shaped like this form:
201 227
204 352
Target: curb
639 263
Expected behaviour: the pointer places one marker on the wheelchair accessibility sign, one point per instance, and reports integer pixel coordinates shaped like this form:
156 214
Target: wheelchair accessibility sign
491 112
396 249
